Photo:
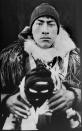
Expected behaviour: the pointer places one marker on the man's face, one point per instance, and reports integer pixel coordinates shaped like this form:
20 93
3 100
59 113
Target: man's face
44 31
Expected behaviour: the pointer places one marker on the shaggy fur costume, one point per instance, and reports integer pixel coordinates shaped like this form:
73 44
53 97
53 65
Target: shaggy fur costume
62 48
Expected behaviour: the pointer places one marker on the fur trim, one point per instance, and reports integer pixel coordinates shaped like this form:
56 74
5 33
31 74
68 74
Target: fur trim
63 45
63 42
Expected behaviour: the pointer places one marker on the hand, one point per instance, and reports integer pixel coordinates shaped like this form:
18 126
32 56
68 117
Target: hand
61 100
18 106
74 118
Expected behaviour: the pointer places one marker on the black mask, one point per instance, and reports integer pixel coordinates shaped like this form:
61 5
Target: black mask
38 86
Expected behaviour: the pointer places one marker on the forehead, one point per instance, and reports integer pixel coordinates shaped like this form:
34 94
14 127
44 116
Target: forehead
45 19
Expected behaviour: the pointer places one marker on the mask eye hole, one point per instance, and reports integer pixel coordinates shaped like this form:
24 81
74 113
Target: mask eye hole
33 91
44 91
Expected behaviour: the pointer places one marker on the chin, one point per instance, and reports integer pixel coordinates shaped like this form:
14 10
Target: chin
45 45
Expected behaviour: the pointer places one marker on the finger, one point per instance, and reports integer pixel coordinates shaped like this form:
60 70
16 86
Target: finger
65 108
22 106
20 115
56 103
58 94
22 110
59 107
54 97
21 103
48 113
15 115
27 103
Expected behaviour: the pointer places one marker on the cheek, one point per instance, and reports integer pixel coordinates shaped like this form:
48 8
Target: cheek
54 29
53 33
36 33
35 29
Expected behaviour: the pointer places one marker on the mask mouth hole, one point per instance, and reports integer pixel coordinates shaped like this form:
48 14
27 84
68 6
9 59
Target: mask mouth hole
36 99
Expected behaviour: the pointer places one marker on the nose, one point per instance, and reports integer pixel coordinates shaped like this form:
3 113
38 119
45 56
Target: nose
45 29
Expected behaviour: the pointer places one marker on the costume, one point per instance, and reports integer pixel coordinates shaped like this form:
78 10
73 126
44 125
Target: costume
63 61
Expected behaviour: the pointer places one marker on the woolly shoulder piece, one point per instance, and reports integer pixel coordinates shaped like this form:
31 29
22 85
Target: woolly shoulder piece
62 46
64 43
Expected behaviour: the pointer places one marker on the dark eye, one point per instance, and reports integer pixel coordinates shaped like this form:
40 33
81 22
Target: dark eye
39 23
52 24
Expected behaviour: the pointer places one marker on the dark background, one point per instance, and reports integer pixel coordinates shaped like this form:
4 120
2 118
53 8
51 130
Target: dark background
15 15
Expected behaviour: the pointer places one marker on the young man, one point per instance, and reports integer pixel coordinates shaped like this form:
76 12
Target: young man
44 63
